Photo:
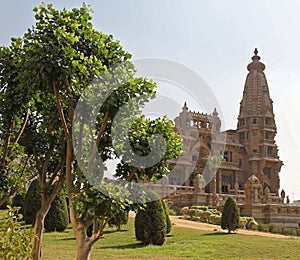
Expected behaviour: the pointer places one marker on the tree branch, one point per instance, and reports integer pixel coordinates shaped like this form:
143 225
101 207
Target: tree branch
61 112
23 127
100 133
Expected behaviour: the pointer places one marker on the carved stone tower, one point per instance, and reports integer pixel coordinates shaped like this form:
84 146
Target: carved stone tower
256 129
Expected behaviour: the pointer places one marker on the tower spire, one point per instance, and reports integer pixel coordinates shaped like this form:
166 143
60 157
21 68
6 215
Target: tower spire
256 126
256 64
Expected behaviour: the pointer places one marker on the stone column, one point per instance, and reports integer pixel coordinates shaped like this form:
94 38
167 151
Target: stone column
220 182
236 184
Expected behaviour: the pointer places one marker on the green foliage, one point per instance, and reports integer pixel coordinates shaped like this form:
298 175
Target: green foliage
14 110
150 223
15 242
168 220
140 135
19 201
57 218
118 219
230 215
251 223
185 211
32 202
6 203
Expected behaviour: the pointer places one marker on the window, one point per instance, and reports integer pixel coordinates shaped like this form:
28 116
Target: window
254 121
255 150
194 158
240 162
267 172
226 156
270 150
230 156
268 135
268 121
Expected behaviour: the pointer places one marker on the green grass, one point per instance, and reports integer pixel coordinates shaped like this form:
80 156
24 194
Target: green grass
180 244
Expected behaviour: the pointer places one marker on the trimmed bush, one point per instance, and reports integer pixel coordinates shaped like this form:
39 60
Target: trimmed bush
184 211
230 215
150 223
32 202
19 201
57 218
243 222
168 220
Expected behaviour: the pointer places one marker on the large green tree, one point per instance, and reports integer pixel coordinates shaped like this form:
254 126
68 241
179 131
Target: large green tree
63 54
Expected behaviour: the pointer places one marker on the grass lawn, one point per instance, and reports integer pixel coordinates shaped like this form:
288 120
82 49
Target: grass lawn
180 244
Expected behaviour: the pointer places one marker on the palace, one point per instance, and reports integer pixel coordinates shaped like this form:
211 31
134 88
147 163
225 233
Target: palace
251 165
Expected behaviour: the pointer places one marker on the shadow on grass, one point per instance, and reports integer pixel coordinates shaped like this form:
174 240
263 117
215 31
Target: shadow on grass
68 238
218 234
129 246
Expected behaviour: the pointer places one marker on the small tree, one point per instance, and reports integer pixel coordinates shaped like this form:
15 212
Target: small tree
150 223
118 219
230 215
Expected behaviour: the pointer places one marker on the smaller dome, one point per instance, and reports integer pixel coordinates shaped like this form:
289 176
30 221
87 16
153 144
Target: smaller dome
253 179
256 64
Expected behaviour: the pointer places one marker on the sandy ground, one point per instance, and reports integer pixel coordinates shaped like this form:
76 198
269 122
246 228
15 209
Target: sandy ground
176 221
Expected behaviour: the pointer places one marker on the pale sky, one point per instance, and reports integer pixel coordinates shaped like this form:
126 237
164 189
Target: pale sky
216 40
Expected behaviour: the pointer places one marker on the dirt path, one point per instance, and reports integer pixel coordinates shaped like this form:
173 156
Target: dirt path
176 221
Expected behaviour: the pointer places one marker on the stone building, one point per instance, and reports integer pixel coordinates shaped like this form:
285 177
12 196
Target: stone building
251 166
248 150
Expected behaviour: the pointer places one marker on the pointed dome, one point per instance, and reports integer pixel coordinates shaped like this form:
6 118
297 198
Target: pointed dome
256 64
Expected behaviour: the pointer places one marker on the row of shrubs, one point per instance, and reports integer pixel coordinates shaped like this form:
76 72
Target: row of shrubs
208 214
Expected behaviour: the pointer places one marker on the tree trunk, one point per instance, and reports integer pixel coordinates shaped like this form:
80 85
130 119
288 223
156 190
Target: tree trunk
214 188
84 247
38 231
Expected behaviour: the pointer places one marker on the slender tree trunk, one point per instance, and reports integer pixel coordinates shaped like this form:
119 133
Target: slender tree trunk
214 187
38 231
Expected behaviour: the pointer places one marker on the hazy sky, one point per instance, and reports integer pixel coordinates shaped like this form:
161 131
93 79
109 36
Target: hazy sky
215 39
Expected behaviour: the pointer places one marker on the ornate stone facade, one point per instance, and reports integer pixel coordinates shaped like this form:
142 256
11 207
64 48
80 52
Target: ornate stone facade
250 171
249 150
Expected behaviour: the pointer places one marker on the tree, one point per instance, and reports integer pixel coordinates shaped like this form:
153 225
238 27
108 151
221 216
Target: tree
118 219
150 223
15 107
64 53
43 140
230 215
213 163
